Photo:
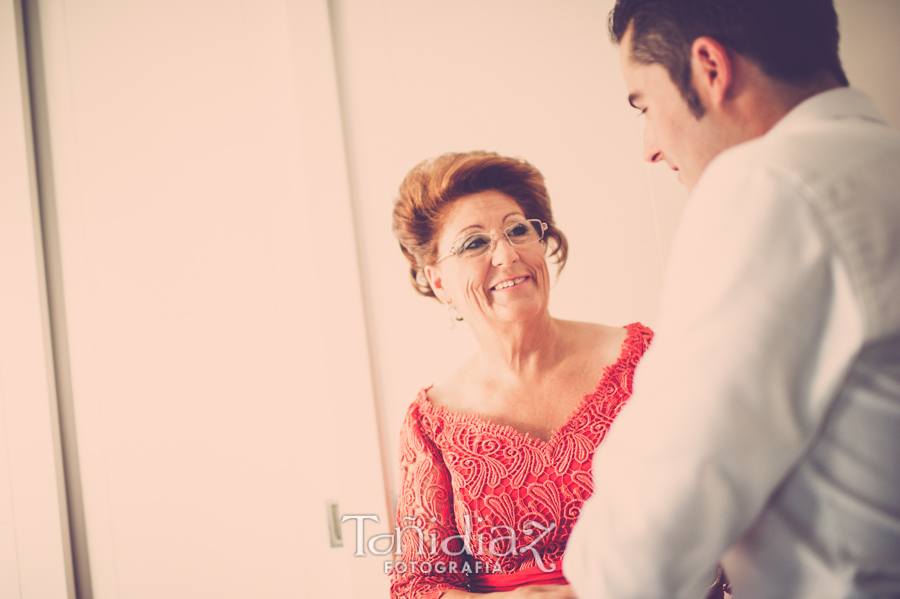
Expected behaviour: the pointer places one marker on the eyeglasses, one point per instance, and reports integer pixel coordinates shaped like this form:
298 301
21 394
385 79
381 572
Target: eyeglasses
477 244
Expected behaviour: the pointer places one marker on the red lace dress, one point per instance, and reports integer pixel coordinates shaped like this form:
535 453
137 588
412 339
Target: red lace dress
478 499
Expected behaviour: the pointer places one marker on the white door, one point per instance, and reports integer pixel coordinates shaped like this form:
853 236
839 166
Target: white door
209 292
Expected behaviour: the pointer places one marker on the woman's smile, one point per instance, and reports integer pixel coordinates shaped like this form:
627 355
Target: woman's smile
510 283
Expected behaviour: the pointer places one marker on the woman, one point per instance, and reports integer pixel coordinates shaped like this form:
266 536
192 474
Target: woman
496 461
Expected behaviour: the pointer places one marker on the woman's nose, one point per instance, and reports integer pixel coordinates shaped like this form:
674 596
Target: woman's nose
504 252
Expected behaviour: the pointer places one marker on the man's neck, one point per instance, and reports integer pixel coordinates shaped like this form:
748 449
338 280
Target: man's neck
764 101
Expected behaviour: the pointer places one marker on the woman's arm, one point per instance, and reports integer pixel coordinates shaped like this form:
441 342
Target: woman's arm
431 552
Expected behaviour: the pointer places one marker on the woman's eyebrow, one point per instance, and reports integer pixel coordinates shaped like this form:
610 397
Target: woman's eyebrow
481 228
470 227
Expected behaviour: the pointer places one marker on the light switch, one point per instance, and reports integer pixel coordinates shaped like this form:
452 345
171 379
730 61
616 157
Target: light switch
335 534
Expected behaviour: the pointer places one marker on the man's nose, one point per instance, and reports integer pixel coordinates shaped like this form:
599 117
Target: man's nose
652 153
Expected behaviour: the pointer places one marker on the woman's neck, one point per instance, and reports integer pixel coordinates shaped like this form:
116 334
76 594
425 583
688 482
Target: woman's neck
519 348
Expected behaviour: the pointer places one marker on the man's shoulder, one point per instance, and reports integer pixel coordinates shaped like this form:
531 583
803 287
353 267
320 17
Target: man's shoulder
845 166
838 175
819 152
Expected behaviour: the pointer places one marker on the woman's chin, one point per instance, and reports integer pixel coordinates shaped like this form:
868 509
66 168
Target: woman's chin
517 311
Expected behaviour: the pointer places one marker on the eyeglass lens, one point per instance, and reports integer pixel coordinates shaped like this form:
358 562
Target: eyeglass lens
521 233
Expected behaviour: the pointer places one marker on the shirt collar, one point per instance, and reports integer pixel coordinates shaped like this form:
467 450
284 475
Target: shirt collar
839 103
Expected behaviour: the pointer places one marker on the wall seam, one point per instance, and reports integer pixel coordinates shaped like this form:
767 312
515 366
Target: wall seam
364 284
56 338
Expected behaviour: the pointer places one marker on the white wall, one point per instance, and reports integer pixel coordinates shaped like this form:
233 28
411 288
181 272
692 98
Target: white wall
870 45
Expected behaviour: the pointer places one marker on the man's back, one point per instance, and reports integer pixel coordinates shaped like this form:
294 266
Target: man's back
833 528
765 422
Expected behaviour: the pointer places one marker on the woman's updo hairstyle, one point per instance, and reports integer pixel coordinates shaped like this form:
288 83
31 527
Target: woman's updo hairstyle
431 186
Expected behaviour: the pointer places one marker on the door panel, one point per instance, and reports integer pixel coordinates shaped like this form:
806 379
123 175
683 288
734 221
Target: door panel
219 370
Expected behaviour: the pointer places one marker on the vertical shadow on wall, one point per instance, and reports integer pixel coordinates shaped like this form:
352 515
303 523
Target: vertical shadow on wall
31 15
387 461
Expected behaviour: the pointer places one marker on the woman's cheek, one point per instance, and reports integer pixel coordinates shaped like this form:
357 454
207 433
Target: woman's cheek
471 284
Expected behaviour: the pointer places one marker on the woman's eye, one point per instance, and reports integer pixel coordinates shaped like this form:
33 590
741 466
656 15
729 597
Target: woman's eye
519 230
473 244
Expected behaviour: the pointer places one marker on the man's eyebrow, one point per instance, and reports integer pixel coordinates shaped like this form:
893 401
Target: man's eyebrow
632 98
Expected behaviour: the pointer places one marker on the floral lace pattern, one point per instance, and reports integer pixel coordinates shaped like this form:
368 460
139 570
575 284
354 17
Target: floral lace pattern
477 497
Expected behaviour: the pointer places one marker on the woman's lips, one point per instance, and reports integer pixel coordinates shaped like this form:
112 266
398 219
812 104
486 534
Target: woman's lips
511 282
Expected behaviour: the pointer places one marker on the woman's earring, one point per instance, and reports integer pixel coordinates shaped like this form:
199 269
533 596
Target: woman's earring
454 314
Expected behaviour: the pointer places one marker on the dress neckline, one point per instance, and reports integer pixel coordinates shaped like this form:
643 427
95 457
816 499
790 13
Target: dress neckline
633 333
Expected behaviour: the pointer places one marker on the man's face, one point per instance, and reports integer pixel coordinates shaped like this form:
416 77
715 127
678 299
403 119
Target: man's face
671 131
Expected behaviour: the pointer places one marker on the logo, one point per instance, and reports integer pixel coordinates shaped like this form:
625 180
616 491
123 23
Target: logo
495 545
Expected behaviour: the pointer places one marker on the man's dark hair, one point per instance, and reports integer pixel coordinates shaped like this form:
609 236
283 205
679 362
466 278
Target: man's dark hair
790 40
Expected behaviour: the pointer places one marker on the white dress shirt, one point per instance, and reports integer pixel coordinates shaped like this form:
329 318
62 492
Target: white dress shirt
764 429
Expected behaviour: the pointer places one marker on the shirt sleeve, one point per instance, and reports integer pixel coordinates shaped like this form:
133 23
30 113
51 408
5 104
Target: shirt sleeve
759 324
432 550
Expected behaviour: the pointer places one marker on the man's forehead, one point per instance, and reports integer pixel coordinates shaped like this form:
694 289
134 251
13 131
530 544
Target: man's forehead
630 69
628 66
625 45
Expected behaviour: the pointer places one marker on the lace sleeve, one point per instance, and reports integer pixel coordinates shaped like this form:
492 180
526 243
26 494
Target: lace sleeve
432 550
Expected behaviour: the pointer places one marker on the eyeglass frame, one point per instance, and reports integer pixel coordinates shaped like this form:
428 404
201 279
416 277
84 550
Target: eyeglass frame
459 242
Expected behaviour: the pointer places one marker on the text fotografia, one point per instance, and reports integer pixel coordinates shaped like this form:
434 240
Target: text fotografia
499 545
444 567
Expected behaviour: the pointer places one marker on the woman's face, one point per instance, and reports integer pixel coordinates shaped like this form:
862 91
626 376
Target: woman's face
471 283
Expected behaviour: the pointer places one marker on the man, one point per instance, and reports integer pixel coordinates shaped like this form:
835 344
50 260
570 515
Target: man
764 429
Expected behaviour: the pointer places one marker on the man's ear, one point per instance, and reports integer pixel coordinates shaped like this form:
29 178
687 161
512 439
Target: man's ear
433 275
712 70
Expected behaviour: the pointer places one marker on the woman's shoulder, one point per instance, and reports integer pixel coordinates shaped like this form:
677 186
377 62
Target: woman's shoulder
457 393
421 408
639 336
609 345
437 402
635 339
420 400
418 423
602 338
429 417
598 330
